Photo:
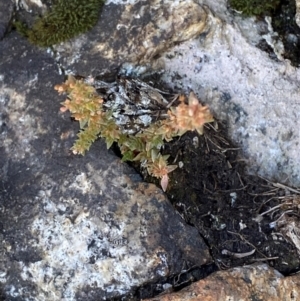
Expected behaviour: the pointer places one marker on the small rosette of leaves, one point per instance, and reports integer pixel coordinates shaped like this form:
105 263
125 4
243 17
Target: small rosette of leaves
159 168
189 117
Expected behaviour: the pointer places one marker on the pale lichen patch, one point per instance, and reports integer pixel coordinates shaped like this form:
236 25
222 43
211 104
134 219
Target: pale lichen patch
82 183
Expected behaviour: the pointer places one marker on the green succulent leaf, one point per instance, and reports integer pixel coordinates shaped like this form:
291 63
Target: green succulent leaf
128 156
109 141
83 123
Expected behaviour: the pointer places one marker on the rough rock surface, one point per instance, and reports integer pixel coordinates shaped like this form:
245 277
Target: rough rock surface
256 282
134 32
6 10
297 16
72 227
257 93
53 205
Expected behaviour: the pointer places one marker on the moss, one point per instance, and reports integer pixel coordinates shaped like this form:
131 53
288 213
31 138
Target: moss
21 27
254 7
66 19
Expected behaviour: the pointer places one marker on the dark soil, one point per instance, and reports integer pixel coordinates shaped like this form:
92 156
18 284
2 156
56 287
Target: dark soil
213 192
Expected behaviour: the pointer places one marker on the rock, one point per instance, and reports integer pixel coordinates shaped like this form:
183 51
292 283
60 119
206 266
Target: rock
256 93
133 33
255 282
71 227
88 228
6 12
30 6
297 16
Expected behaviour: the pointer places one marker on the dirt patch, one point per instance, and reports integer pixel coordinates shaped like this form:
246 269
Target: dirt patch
213 192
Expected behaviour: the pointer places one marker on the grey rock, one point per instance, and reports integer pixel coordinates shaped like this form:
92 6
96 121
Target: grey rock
33 6
88 228
297 16
134 32
257 95
6 13
71 227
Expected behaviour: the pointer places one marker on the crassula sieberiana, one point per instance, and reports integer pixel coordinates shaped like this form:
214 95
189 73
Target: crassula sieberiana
97 119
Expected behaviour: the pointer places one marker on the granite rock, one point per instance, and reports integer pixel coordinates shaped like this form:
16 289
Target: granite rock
255 282
89 228
256 93
297 16
134 32
6 13
72 227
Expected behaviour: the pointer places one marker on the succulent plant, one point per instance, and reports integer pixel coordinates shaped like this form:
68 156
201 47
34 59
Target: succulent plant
95 120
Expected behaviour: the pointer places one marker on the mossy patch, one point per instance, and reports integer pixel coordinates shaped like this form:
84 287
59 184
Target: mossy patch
64 21
254 7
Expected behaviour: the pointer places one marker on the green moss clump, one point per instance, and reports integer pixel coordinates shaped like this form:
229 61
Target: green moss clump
254 7
66 19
